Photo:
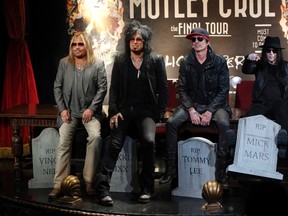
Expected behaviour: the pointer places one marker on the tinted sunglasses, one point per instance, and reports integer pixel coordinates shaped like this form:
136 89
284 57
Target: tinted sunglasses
198 38
269 50
137 40
79 44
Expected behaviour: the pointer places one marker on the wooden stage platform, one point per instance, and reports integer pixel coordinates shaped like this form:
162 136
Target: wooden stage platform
16 199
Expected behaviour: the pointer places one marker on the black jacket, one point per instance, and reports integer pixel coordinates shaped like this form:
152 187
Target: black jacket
154 66
215 81
253 67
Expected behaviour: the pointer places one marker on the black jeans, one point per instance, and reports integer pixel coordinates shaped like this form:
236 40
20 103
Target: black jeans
139 118
276 110
180 115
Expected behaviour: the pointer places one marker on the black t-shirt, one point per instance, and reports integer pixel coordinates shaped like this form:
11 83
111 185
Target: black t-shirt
138 87
274 88
200 97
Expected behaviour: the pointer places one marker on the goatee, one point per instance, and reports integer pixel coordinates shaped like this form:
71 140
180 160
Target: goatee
137 52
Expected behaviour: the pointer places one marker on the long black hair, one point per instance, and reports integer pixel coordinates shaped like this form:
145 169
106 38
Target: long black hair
279 61
146 34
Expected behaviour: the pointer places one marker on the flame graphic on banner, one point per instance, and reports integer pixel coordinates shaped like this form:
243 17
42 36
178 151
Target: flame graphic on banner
284 18
103 22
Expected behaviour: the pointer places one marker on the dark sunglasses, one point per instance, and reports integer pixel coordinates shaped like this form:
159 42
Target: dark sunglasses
138 40
269 50
79 44
198 38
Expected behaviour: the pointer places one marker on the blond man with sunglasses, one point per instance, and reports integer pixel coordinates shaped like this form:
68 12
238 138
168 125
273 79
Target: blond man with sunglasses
203 90
79 90
270 91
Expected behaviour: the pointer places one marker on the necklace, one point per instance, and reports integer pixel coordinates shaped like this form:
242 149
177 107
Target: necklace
80 67
137 64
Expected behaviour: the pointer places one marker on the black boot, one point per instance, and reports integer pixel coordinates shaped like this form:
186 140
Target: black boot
167 178
224 157
221 177
281 141
145 195
230 139
170 173
220 171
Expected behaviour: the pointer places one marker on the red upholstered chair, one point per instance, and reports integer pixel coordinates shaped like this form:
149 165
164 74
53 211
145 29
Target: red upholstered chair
173 99
243 97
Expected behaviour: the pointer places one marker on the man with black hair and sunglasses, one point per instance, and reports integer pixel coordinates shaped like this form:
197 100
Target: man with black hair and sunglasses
203 90
137 100
270 91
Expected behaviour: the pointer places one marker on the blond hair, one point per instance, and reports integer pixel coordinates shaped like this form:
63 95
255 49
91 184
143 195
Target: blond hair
87 44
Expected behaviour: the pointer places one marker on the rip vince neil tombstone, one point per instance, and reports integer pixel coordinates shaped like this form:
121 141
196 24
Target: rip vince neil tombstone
44 158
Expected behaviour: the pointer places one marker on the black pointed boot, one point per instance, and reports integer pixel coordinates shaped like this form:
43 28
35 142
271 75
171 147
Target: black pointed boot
281 141
170 172
221 175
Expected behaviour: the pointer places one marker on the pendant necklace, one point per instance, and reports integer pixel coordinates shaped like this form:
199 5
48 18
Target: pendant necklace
137 64
80 66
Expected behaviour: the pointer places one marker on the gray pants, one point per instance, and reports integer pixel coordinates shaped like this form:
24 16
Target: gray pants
93 149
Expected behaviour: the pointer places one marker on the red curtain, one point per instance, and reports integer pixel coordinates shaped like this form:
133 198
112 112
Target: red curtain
19 83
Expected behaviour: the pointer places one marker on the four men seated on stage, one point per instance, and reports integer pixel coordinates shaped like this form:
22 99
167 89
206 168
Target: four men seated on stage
138 97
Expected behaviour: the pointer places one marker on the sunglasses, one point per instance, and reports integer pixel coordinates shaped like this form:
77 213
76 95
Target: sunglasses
137 40
269 50
198 38
77 44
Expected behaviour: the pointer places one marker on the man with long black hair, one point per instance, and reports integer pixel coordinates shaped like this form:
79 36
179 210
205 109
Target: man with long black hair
270 91
137 99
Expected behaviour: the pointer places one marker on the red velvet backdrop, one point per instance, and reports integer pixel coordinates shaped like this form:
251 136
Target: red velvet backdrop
19 83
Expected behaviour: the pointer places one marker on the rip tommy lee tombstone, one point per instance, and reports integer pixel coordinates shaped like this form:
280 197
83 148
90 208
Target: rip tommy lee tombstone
256 148
196 166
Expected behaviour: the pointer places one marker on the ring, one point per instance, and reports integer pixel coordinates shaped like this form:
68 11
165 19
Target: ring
112 122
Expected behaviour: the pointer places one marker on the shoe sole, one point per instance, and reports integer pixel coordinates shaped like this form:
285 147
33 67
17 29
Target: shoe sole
106 203
54 196
143 201
165 182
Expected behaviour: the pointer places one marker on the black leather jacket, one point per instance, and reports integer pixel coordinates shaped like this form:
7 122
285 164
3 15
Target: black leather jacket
154 67
253 67
215 81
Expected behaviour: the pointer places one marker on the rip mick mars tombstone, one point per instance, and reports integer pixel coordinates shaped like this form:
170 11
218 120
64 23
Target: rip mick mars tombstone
256 150
196 166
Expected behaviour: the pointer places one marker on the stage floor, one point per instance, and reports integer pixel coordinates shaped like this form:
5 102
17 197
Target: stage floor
17 199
